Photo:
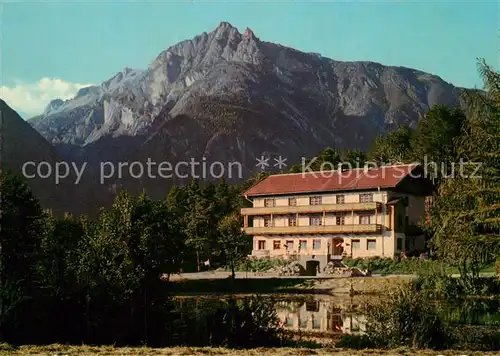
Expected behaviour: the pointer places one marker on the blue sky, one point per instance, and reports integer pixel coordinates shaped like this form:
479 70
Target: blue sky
53 48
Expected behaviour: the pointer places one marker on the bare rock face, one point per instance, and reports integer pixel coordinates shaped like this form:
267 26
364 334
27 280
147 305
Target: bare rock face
225 95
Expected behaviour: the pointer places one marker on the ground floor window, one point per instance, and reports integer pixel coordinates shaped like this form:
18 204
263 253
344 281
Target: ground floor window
399 243
355 325
356 244
316 323
303 244
371 244
289 245
337 322
276 244
316 244
303 323
262 245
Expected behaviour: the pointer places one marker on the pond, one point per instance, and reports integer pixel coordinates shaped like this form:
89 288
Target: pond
234 321
326 318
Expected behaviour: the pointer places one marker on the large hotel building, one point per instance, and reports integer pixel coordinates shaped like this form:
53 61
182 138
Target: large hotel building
324 216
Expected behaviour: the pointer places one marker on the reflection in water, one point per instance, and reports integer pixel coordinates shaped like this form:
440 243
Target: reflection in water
317 318
320 316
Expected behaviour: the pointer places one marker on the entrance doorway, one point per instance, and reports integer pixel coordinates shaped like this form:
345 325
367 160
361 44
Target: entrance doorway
338 247
312 268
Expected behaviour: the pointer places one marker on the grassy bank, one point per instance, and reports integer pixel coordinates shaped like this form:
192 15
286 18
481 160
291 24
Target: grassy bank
111 350
410 265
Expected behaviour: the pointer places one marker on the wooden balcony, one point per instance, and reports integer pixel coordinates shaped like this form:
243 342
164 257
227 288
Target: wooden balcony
304 209
324 229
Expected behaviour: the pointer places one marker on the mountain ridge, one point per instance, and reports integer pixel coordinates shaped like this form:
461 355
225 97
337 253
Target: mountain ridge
226 95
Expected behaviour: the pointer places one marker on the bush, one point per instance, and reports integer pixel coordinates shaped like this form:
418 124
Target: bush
355 342
406 318
6 347
260 264
436 283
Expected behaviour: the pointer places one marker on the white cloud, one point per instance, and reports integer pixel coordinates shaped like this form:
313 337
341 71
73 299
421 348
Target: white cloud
32 99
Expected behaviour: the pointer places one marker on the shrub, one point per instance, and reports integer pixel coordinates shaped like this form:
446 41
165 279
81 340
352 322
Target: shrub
260 264
406 318
437 284
355 342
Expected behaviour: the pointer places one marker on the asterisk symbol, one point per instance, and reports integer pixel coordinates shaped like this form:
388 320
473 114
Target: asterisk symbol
262 162
280 162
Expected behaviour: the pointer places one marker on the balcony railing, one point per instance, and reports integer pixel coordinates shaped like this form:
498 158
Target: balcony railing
312 208
324 229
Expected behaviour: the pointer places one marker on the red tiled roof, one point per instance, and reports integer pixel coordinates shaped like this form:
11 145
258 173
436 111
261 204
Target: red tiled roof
356 179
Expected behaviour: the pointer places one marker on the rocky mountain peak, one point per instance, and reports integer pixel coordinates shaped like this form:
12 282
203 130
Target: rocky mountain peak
87 90
53 105
231 95
249 34
225 25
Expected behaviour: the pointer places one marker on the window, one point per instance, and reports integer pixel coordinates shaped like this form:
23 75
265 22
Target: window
271 202
315 201
292 221
303 323
364 219
337 322
366 198
399 244
290 321
312 306
268 222
340 220
292 201
303 244
371 244
340 199
289 245
355 325
276 244
400 221
316 324
262 245
316 244
356 244
315 221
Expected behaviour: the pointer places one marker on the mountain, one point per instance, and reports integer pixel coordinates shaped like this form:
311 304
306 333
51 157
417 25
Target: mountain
230 96
21 144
